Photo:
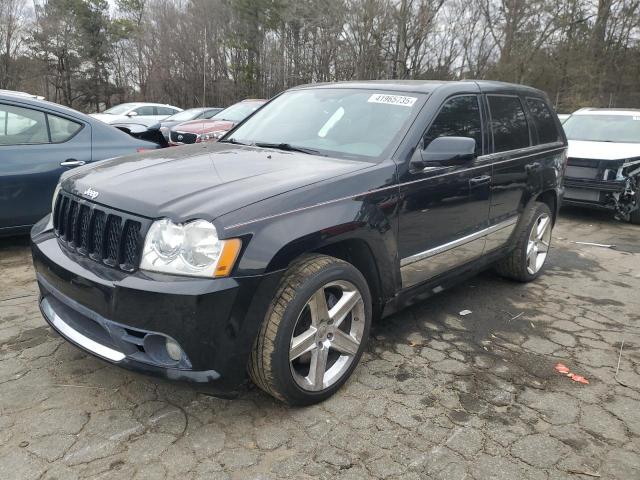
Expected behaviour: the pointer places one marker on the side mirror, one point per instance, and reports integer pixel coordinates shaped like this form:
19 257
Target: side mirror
132 114
445 151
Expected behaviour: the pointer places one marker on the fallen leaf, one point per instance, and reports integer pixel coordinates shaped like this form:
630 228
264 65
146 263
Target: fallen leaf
579 379
562 368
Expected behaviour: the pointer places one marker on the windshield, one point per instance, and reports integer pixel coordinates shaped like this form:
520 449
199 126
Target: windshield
184 115
238 112
119 109
603 128
340 122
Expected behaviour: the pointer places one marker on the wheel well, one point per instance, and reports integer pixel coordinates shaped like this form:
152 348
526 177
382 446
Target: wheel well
358 253
549 197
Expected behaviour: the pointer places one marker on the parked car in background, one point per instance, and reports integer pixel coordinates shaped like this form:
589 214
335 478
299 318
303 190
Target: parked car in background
185 116
139 113
604 161
273 250
563 117
39 140
211 130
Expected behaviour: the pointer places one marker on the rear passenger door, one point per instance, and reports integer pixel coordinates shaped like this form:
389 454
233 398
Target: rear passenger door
35 148
516 172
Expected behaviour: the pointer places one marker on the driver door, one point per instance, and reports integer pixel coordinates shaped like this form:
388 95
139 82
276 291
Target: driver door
445 208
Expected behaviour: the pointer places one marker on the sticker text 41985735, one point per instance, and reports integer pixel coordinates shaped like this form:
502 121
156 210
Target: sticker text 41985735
392 99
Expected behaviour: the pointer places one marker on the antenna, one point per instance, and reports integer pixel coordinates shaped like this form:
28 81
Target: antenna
204 69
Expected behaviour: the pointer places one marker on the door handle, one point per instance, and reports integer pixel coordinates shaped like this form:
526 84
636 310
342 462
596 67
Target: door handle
70 162
533 167
483 180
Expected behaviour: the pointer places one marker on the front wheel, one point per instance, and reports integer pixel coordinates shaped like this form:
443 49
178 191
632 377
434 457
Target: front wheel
314 332
526 261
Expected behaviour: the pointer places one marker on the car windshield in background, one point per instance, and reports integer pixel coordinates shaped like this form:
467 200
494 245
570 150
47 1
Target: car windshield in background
184 116
603 128
337 122
238 112
119 109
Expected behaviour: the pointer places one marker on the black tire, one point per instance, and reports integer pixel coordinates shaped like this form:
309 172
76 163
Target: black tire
269 365
514 266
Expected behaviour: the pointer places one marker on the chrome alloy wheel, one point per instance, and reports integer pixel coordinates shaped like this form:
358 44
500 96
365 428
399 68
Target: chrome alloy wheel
327 336
538 245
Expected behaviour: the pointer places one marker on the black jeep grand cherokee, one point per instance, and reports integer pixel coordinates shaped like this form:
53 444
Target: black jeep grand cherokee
271 251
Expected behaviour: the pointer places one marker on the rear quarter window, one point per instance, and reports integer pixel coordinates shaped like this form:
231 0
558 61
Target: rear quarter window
543 120
62 129
508 123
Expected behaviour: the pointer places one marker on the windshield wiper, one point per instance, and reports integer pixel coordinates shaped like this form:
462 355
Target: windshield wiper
287 147
234 141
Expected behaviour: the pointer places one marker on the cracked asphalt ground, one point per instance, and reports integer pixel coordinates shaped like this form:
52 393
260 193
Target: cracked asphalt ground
437 395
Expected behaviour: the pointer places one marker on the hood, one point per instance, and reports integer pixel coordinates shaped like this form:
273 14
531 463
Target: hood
205 126
603 150
201 180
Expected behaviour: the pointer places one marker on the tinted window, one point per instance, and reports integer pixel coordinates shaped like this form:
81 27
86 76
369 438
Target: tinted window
165 111
147 110
22 126
544 121
459 117
508 123
62 129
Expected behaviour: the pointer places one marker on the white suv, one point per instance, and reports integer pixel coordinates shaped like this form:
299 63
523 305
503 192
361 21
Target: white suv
604 161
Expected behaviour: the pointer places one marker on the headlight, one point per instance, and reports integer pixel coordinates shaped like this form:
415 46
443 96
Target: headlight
192 248
55 195
211 136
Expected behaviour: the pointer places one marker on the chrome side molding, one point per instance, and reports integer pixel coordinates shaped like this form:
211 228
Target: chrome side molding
429 263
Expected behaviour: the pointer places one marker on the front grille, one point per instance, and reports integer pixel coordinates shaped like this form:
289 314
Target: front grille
183 137
104 235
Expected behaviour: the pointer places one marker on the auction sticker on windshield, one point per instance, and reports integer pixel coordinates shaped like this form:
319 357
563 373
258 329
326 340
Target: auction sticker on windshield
392 99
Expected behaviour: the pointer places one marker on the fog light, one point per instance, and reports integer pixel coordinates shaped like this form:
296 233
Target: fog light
174 350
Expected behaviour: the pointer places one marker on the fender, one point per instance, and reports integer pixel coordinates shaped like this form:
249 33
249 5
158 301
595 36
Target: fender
347 212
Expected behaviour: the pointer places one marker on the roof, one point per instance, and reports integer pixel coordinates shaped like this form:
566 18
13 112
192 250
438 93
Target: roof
626 112
421 86
20 94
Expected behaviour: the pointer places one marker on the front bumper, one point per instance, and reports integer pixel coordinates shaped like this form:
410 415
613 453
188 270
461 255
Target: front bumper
120 317
592 192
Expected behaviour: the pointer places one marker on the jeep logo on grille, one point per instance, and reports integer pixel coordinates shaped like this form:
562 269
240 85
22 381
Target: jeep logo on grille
91 193
180 137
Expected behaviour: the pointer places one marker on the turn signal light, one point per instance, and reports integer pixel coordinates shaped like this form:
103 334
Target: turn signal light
228 257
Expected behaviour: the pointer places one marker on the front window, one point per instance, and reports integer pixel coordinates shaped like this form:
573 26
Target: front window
459 117
603 128
184 116
238 112
119 109
338 122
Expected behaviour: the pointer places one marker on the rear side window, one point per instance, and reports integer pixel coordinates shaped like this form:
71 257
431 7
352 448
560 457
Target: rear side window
22 126
508 123
459 117
165 111
62 129
146 110
543 120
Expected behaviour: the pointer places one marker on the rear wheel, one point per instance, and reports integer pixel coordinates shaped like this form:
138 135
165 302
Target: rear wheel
526 262
314 332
